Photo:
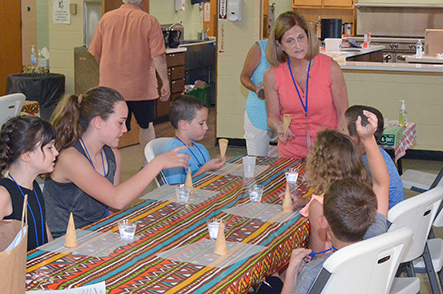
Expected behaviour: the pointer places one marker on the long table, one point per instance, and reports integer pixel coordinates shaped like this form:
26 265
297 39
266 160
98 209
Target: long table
135 267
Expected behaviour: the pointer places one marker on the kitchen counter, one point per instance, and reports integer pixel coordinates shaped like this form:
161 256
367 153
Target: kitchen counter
424 59
348 66
351 52
175 50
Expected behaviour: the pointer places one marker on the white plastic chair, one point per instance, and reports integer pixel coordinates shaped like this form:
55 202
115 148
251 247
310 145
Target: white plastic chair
435 246
368 267
418 213
10 106
420 181
154 148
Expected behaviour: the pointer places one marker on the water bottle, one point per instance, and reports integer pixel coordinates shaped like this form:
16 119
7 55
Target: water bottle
419 49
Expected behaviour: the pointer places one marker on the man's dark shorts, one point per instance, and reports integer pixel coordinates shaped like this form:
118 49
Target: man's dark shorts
144 112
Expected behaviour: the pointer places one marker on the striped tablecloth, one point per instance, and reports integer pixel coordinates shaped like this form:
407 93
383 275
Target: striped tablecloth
406 142
165 225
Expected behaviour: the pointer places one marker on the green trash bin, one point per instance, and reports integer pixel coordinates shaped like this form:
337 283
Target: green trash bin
202 94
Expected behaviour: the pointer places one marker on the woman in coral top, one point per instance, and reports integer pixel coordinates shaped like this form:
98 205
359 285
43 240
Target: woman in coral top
303 83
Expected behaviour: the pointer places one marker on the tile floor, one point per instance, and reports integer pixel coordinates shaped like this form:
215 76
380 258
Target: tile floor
132 157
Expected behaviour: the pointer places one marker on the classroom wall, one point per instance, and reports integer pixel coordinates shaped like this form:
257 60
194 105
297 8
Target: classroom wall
421 92
233 43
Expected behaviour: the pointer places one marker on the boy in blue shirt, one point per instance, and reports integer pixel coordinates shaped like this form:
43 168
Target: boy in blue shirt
396 192
188 116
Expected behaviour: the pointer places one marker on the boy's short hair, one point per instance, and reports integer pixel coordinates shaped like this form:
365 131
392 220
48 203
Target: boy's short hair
349 208
184 108
353 112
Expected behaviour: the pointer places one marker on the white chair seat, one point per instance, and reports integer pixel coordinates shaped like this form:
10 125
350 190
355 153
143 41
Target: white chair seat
154 148
414 178
10 106
436 250
405 286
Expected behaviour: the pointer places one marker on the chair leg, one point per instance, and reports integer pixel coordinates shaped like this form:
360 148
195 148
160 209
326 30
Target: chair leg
430 270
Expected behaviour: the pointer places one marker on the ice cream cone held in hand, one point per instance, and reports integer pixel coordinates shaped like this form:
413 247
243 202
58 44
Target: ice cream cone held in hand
71 237
287 118
220 244
287 201
223 144
188 182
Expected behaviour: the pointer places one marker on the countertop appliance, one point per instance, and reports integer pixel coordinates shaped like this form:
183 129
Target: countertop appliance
407 24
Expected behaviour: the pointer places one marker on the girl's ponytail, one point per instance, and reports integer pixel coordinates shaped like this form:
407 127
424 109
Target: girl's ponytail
65 120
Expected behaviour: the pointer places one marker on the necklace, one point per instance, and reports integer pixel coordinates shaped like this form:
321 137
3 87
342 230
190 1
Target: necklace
104 169
201 153
304 105
299 81
32 213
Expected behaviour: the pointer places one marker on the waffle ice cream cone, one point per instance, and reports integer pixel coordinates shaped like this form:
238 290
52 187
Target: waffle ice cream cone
188 182
287 118
220 244
71 237
287 202
223 144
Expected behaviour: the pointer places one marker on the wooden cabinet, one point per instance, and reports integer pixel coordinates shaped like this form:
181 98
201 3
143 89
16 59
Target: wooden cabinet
176 73
323 3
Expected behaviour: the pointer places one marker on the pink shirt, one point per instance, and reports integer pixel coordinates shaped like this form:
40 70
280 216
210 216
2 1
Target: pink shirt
126 40
321 109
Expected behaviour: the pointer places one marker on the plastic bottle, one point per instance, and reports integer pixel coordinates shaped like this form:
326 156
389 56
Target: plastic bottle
419 49
403 120
319 27
33 57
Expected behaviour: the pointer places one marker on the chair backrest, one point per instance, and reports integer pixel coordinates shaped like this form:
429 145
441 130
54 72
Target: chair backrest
154 148
368 266
10 106
418 214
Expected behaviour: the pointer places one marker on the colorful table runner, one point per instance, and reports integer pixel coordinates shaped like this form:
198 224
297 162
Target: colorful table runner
163 225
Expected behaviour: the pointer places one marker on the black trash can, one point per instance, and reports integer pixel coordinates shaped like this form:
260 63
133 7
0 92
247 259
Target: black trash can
45 88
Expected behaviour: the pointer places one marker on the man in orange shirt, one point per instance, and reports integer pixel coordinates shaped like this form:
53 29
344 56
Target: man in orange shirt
129 48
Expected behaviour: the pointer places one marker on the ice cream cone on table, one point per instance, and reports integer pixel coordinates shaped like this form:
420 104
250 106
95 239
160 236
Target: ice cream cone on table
287 201
287 118
223 144
188 182
71 237
220 244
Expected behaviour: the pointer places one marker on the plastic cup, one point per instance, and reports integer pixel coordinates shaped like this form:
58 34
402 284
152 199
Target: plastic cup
291 177
127 229
213 226
255 193
182 193
249 166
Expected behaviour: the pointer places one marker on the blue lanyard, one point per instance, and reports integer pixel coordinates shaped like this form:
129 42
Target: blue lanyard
314 254
32 213
305 105
104 170
201 153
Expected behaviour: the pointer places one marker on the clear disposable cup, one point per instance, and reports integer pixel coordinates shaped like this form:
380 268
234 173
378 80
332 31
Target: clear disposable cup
249 166
182 193
291 177
255 193
127 229
213 226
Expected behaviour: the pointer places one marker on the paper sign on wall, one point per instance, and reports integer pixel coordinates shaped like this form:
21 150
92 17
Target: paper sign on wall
99 288
207 12
60 11
223 9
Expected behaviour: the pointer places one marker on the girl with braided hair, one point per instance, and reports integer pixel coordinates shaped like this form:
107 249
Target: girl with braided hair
26 151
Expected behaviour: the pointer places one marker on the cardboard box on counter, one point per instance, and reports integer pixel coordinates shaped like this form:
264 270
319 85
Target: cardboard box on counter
391 136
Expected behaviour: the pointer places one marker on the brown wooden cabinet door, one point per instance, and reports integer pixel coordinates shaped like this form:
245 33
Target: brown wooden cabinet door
10 41
306 2
338 3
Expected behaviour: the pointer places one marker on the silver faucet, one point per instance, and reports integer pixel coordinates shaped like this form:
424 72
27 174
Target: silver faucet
179 22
